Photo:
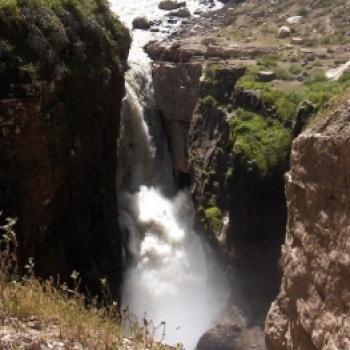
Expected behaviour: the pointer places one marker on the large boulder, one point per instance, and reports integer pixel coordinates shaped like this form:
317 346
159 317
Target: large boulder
266 75
232 337
141 23
171 5
294 20
181 12
177 92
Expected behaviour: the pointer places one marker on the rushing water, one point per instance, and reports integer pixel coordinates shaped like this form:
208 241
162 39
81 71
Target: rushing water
172 276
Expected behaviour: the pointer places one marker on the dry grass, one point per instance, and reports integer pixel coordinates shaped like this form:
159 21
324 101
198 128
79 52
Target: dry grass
95 328
95 325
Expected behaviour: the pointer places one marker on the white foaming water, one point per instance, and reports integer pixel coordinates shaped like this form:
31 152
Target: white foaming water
174 277
172 280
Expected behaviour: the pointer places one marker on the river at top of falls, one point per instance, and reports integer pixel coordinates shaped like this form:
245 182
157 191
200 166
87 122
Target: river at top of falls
172 276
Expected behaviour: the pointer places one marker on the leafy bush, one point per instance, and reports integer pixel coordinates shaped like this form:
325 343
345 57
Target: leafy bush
316 76
268 61
303 12
295 69
209 101
77 37
282 73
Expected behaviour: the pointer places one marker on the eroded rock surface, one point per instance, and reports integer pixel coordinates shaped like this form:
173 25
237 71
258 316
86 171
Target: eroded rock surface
312 309
59 120
177 91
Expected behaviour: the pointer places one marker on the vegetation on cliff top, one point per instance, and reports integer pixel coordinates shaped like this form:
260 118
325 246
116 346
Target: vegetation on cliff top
261 132
315 87
43 39
263 145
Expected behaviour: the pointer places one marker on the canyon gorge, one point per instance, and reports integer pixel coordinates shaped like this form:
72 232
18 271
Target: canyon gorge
194 155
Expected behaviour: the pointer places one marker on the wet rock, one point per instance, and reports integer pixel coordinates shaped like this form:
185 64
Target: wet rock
171 4
172 20
155 22
305 111
222 337
247 99
233 333
141 23
176 101
182 12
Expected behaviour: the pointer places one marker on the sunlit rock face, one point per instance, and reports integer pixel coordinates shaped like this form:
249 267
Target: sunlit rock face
312 308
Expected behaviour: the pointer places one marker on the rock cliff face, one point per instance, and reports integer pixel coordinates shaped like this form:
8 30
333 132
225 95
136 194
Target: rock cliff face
238 192
62 82
176 101
312 309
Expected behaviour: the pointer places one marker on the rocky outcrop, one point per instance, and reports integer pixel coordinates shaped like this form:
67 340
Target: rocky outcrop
312 308
177 91
141 23
183 52
240 203
240 206
60 97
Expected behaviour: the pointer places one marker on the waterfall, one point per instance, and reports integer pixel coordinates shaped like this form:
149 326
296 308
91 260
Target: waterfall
172 276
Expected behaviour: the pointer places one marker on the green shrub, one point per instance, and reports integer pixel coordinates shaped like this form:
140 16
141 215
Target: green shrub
244 114
209 101
268 61
295 69
316 76
303 11
34 34
213 217
282 73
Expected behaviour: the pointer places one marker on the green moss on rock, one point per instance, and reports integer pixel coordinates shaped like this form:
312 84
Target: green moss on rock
261 145
213 217
220 81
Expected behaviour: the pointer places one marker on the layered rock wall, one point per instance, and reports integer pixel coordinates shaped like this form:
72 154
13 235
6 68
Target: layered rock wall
177 92
313 307
240 205
60 101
